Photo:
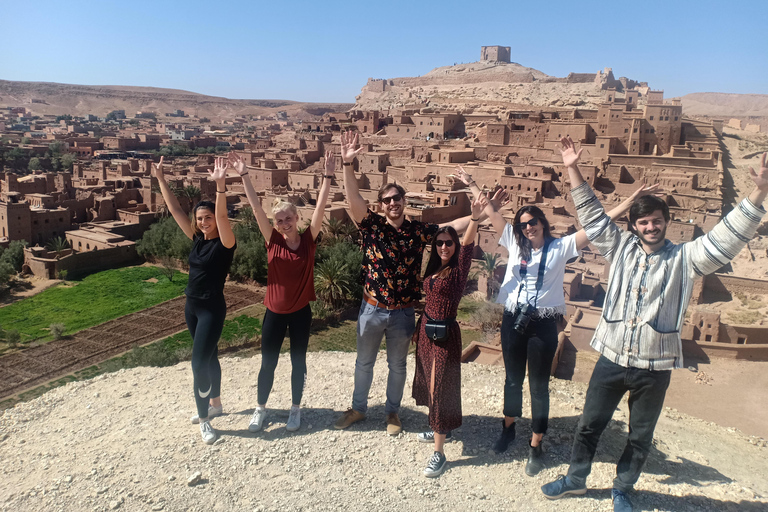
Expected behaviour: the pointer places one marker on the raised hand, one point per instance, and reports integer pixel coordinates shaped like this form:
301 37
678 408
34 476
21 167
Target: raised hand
158 170
569 153
648 190
478 205
462 175
237 163
330 163
760 178
219 172
499 199
349 141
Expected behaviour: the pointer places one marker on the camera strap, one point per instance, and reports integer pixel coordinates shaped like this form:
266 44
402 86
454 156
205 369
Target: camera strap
539 277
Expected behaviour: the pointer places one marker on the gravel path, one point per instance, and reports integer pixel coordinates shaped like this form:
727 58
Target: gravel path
123 441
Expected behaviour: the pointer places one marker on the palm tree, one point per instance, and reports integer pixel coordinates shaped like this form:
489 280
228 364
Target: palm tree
57 245
332 282
488 266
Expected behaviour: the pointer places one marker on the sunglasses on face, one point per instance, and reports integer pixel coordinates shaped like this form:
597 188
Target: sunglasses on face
396 198
447 243
522 225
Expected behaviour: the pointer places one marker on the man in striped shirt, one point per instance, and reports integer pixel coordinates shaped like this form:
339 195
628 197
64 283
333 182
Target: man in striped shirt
638 335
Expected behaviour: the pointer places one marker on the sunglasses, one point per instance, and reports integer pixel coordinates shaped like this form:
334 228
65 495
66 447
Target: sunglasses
440 243
522 225
396 198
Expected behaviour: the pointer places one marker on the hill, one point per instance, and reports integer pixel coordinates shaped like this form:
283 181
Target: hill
124 441
55 99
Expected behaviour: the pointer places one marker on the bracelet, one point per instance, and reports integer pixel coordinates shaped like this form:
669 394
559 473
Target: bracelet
476 220
221 191
329 177
348 163
244 174
473 182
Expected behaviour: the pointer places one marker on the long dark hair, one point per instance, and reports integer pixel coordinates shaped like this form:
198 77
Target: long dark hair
522 241
202 205
434 263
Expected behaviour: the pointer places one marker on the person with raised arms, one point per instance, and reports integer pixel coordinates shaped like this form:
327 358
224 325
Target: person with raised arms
213 248
290 289
638 334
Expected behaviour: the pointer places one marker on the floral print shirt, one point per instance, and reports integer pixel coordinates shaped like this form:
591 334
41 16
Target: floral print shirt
392 258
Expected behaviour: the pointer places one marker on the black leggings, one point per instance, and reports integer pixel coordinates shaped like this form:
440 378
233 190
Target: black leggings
205 320
536 346
272 335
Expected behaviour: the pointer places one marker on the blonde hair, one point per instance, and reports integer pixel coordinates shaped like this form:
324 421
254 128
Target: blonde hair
280 205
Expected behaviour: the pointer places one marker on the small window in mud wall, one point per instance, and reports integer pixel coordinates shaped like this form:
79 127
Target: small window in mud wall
741 340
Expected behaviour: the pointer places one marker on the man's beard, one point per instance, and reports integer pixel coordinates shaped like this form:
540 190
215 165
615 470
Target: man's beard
662 236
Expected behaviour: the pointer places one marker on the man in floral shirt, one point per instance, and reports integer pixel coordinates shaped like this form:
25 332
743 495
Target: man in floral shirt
392 252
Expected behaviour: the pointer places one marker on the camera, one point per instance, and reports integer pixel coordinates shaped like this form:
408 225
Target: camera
523 317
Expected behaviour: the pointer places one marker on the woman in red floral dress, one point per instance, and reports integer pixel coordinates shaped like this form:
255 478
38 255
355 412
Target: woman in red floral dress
437 382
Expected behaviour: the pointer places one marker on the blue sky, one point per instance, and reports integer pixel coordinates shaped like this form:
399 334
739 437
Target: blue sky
325 51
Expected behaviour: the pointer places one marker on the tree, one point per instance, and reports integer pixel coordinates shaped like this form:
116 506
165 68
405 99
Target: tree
17 159
332 282
34 164
167 268
57 245
67 161
57 330
488 268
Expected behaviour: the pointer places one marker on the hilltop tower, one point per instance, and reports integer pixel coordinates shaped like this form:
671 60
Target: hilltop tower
495 53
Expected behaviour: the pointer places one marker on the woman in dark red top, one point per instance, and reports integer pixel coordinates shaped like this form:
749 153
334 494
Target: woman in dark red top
290 289
209 261
437 382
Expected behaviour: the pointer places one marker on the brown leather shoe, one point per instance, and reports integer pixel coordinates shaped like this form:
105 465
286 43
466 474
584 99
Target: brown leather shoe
349 417
394 426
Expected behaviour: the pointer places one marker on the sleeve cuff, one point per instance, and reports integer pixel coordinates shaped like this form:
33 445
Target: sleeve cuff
753 208
581 193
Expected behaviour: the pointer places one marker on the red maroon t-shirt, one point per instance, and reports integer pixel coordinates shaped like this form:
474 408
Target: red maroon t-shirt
290 274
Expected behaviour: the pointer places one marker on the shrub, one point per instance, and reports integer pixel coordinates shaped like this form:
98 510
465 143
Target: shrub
57 330
488 316
13 337
250 260
164 238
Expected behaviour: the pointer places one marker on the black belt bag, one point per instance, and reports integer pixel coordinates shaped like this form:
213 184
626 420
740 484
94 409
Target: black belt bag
437 330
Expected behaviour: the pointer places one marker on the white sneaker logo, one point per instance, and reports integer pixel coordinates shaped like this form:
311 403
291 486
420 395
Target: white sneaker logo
205 395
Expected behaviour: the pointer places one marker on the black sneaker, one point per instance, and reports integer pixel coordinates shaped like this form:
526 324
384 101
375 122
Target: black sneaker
429 436
435 466
507 436
621 502
560 487
535 460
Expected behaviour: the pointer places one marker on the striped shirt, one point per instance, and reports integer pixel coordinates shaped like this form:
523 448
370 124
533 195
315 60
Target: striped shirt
648 294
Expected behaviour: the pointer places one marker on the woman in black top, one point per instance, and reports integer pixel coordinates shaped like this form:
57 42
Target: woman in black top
209 262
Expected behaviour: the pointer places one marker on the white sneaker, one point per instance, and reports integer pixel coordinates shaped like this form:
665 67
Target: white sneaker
294 419
212 413
207 432
257 420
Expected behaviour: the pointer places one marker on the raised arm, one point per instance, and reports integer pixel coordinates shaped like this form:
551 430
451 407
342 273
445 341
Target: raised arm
254 200
171 201
322 196
478 205
713 250
645 190
357 205
219 175
492 213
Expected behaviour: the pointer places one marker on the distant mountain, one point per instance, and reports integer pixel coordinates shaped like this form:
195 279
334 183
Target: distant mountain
54 98
725 104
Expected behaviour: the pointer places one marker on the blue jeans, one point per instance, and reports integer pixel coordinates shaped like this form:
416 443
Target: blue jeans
373 323
609 382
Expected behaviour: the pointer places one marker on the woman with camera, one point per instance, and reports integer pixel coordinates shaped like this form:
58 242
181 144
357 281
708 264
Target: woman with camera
437 381
534 304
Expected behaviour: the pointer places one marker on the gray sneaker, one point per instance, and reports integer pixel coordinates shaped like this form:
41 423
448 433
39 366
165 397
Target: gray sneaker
212 413
257 420
294 419
435 466
207 432
429 436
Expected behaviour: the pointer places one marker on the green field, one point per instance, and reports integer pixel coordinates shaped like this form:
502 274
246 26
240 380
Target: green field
93 300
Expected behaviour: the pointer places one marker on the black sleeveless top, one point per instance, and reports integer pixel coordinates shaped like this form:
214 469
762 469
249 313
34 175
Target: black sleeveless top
209 264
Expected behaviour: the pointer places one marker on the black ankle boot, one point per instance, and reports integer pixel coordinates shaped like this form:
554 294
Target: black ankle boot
535 460
507 436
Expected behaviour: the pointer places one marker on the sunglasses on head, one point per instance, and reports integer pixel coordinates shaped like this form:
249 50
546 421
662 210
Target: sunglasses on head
396 198
440 243
522 225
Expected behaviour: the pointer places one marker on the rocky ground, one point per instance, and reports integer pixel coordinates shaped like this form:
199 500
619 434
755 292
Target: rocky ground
123 441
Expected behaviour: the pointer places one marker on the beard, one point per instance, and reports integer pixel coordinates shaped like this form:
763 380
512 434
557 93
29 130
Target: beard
660 237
